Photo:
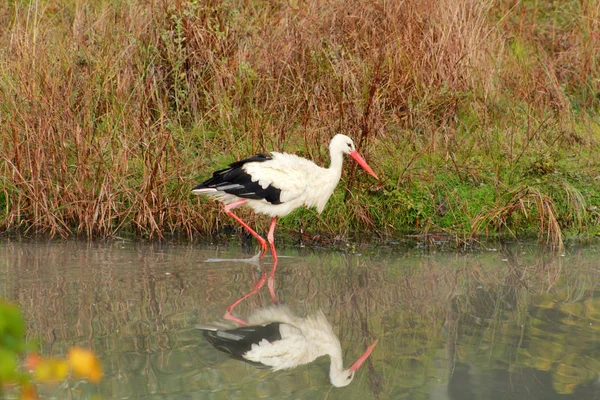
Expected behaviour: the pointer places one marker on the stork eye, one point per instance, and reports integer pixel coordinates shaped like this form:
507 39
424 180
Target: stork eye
349 376
350 145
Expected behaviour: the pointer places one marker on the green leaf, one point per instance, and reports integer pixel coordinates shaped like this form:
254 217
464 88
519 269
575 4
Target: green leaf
8 365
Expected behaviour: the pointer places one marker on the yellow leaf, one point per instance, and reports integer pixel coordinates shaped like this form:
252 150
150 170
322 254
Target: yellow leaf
85 364
51 370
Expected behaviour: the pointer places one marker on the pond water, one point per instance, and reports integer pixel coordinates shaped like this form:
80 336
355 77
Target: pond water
508 323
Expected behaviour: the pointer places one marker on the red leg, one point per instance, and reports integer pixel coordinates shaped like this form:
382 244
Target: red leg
263 243
258 285
271 237
235 319
271 282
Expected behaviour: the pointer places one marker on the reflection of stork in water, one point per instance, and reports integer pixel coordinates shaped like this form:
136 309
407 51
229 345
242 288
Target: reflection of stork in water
275 337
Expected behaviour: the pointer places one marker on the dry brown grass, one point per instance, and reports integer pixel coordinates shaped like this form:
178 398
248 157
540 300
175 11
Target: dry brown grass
81 152
528 203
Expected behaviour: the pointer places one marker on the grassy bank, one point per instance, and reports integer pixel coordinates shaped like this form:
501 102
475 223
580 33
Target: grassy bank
481 117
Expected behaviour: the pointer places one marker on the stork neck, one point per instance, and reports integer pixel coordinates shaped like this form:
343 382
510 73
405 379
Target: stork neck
337 160
337 363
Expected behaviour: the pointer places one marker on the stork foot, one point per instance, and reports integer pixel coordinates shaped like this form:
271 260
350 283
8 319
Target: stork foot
263 247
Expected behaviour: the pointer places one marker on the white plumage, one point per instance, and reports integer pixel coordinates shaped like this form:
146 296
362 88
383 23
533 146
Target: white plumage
277 338
279 183
302 183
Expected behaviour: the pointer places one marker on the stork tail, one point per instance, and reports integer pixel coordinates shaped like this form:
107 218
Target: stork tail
237 342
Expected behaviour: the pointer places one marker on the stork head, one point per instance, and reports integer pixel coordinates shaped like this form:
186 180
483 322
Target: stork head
345 145
342 143
343 377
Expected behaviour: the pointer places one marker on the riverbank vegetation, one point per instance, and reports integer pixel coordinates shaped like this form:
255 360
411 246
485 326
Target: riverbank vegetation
480 117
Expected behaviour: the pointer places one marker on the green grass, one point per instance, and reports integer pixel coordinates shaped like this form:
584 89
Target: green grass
481 118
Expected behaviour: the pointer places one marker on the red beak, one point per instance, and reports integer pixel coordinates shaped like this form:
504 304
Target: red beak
362 358
361 161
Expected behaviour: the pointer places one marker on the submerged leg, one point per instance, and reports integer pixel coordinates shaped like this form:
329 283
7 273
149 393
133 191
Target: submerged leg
271 282
271 237
255 289
263 242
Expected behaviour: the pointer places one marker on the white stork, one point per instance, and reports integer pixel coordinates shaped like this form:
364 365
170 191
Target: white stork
279 183
275 337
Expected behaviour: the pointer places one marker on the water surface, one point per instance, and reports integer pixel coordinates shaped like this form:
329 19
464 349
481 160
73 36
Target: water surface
510 323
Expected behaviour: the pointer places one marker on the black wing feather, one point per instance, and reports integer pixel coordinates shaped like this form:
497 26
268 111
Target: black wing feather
237 342
234 180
